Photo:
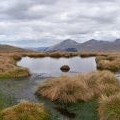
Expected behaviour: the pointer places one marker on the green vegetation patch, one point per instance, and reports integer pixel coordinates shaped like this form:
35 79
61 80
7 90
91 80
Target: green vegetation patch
109 107
84 110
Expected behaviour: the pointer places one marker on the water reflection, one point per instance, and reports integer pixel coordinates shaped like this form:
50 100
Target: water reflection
51 67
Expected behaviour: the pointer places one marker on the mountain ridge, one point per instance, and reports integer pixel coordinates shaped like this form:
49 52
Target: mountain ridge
88 46
71 46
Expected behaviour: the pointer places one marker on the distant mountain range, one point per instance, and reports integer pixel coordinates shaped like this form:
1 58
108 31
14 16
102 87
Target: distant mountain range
71 46
89 46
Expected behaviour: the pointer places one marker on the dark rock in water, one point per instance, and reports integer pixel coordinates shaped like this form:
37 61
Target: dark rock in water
65 68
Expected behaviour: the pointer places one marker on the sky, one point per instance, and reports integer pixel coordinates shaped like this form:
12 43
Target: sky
39 23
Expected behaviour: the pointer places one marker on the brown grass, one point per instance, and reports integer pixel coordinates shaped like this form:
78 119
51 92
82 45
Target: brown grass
8 67
110 62
79 88
109 107
102 82
62 54
64 89
35 54
25 111
92 54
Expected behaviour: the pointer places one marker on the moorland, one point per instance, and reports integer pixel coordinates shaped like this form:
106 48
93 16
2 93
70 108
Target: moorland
100 89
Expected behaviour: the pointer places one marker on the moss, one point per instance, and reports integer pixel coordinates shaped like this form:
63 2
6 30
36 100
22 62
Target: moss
84 110
5 101
15 73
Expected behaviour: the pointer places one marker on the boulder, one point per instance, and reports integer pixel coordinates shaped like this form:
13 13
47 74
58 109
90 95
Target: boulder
65 68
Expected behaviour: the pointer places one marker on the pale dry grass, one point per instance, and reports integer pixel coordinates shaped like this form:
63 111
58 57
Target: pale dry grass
80 87
25 111
62 54
110 62
8 67
102 82
64 89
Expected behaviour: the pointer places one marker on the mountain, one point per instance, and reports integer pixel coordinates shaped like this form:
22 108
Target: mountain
66 45
101 46
89 46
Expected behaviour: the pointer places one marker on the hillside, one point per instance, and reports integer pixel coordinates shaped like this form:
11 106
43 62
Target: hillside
8 48
89 46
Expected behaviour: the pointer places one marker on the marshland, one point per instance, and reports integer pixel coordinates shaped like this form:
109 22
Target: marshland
59 59
29 79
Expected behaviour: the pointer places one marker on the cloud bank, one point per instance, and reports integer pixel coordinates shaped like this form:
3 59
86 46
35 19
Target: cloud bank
46 22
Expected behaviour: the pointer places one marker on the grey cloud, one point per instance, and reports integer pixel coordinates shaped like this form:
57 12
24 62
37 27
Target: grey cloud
49 21
93 1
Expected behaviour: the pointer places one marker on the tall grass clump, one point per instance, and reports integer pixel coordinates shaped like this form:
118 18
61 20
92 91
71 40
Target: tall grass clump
25 111
109 107
9 69
102 82
83 87
64 89
111 63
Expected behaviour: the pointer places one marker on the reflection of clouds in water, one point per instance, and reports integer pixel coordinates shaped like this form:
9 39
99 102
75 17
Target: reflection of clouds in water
51 67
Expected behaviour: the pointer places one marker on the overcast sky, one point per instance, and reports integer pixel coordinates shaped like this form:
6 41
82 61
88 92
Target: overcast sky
36 23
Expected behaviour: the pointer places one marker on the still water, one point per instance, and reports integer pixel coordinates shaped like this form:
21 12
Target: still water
51 67
42 69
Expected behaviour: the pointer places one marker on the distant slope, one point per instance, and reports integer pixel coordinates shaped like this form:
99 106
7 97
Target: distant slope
41 49
8 48
89 46
66 45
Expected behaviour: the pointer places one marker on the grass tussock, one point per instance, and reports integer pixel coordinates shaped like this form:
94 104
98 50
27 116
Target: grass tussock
64 89
25 111
102 82
109 62
9 69
80 87
109 107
